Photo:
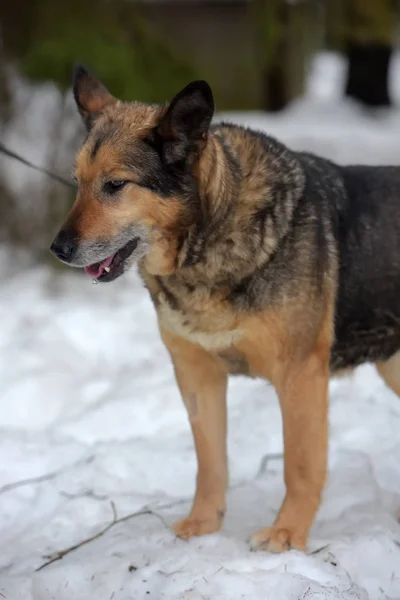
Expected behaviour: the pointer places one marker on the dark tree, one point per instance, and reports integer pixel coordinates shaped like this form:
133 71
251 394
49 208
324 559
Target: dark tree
284 38
369 33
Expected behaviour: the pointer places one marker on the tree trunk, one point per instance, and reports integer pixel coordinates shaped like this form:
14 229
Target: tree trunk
369 33
367 79
282 30
274 73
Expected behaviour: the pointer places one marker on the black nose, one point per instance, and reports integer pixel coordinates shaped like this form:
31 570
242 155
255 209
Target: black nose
64 245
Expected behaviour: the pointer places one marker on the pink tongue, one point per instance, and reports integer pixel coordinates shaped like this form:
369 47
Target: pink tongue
98 268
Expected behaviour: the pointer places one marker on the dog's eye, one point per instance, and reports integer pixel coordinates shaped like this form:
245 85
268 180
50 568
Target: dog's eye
110 187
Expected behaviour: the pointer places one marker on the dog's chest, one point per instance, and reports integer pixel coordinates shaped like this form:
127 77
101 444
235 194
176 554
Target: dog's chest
220 332
201 329
195 314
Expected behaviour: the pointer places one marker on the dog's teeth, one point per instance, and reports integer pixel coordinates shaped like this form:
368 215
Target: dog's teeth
107 269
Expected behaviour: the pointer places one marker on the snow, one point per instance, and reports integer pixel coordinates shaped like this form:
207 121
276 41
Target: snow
93 431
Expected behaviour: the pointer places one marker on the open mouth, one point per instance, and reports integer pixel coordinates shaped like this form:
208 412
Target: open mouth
113 266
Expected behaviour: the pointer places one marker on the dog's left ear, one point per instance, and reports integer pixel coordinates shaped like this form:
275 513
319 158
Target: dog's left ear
183 128
90 95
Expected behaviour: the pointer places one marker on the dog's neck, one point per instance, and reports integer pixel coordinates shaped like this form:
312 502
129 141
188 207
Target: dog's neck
245 184
219 181
218 184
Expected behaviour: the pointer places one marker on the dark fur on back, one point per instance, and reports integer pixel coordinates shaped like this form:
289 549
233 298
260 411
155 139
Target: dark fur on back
368 234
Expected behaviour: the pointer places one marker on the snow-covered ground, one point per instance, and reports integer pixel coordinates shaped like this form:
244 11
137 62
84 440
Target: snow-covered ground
94 436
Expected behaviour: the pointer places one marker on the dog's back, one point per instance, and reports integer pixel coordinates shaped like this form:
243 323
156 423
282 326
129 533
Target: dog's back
358 213
368 302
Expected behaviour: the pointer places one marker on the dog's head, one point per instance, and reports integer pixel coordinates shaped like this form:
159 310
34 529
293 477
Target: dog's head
136 177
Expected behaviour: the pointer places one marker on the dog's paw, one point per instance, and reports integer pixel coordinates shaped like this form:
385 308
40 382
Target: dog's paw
277 539
189 527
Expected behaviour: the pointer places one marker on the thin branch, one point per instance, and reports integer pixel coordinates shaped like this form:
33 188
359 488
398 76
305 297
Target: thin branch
115 521
318 550
46 477
87 494
16 484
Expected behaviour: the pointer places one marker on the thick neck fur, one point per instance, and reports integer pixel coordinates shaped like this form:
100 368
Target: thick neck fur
249 186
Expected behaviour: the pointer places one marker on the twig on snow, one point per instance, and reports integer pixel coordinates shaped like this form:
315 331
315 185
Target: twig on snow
318 550
264 463
45 477
16 484
86 494
115 521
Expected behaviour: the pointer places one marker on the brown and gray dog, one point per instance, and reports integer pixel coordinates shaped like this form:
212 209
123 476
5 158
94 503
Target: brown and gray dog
259 260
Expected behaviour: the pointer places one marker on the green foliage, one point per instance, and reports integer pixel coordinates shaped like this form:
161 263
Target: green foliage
360 21
371 21
270 30
129 57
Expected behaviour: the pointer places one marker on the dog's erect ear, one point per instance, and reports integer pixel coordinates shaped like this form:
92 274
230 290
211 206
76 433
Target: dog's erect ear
90 95
183 128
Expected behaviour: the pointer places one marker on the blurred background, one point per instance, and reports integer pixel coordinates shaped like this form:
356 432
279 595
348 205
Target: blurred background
91 422
258 55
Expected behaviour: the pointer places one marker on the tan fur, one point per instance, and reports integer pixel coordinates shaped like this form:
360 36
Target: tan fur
176 323
217 183
241 282
202 382
92 219
301 379
204 321
207 338
277 346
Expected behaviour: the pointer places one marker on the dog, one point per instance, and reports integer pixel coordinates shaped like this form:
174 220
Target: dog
260 261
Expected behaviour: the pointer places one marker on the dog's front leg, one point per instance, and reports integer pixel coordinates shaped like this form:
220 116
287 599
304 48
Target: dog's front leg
203 382
303 395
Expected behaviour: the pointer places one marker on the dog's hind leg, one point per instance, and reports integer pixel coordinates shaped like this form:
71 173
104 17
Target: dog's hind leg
390 372
202 381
